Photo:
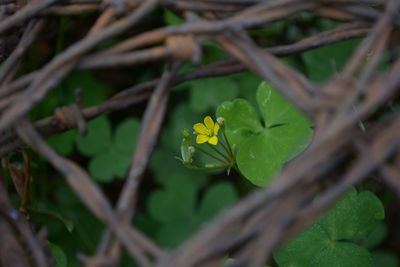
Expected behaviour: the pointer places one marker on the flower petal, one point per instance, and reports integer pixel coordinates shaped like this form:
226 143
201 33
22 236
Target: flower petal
200 128
201 138
216 129
213 140
209 122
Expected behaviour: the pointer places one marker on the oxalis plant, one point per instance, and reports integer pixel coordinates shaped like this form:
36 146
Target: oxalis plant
257 148
239 140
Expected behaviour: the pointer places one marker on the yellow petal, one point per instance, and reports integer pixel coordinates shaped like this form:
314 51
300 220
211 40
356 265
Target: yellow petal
200 128
209 122
216 129
201 138
213 140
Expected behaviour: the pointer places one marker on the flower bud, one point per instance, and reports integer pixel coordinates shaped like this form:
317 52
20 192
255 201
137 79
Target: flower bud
185 133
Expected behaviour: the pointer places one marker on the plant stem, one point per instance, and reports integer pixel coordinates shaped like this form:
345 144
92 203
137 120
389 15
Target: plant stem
225 148
216 167
227 143
220 153
209 154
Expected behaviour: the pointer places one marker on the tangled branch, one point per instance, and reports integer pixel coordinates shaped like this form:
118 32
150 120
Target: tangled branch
341 155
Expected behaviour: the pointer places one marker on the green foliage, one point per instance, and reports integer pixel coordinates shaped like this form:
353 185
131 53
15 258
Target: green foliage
98 137
376 236
332 240
178 200
334 57
87 229
110 153
262 148
48 214
64 143
114 159
59 255
381 258
181 117
177 208
93 93
171 19
206 94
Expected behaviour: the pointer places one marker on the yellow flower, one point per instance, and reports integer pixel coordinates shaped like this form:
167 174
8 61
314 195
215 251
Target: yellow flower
207 132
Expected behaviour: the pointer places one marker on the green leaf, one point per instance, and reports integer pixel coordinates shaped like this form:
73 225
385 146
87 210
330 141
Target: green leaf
102 166
206 94
181 117
122 163
98 137
277 110
262 149
331 241
376 236
162 162
217 198
354 217
172 233
113 159
260 157
109 164
177 200
126 135
93 91
174 207
69 225
248 83
171 19
324 62
58 254
63 143
213 52
240 119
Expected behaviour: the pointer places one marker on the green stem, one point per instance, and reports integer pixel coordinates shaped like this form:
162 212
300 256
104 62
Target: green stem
236 168
227 143
220 153
225 148
209 154
216 167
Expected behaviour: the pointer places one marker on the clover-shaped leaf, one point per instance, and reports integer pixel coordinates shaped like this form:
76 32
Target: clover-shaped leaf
262 148
331 241
206 94
101 166
111 155
93 93
216 199
63 143
125 136
175 207
354 217
98 137
176 201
